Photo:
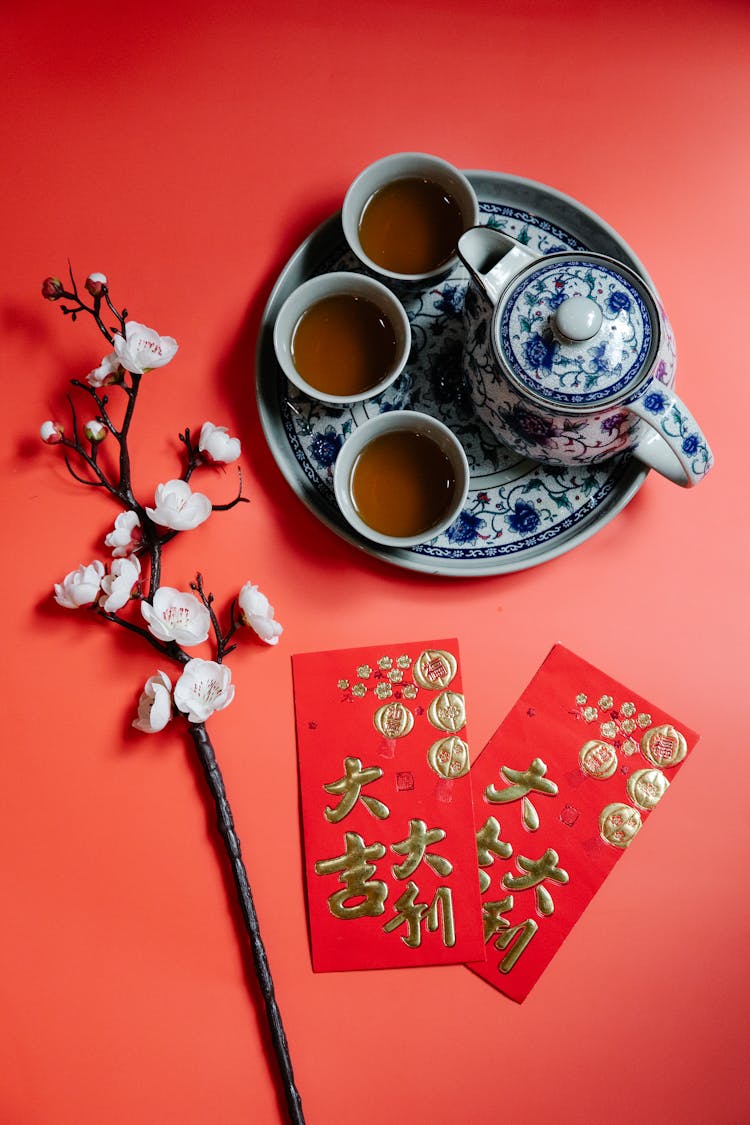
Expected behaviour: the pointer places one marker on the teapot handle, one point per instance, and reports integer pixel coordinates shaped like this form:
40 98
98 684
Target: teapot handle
493 258
673 444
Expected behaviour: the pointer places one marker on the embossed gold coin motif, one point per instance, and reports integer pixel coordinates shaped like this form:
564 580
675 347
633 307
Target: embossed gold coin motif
434 669
646 788
393 720
663 746
619 824
598 759
449 757
447 711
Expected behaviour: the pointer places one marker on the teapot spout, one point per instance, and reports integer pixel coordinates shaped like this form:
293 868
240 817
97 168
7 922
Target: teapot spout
492 258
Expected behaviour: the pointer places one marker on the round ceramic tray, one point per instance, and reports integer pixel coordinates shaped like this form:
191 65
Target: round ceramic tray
518 513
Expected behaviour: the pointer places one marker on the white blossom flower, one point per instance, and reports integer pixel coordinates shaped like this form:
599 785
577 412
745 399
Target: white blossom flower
95 430
141 349
258 614
203 687
118 585
126 535
51 432
175 616
178 507
155 704
95 283
81 586
217 446
107 372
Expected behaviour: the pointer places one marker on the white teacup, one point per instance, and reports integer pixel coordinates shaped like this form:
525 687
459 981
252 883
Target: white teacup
346 285
399 167
374 479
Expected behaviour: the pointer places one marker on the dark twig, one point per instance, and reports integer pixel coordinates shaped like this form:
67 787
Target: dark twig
221 637
239 498
193 454
170 648
101 404
225 824
89 460
82 480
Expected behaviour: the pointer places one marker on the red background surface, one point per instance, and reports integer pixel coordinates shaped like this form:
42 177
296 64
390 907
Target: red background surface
185 150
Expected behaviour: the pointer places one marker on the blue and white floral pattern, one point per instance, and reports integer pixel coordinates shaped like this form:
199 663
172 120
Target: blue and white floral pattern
514 505
515 402
669 415
575 374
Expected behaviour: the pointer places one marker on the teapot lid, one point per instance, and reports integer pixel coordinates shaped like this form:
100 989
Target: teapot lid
577 330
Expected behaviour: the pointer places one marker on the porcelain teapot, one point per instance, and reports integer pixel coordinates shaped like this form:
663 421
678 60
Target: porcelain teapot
571 360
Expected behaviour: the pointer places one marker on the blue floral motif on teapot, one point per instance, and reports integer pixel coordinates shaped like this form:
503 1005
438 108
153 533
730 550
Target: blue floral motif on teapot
575 373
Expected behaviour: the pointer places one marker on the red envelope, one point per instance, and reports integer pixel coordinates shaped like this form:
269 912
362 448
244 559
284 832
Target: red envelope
560 792
390 848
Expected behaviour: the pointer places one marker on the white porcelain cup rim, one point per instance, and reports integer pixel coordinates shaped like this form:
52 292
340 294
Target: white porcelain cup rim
330 284
388 422
398 166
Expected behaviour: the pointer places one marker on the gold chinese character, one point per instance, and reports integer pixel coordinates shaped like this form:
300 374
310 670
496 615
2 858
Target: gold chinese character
356 872
523 782
537 870
488 841
411 913
349 788
495 923
415 847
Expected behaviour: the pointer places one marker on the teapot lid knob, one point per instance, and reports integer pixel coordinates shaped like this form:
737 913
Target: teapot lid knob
577 319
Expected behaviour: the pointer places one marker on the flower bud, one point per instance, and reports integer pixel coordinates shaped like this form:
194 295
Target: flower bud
52 288
51 432
96 283
95 431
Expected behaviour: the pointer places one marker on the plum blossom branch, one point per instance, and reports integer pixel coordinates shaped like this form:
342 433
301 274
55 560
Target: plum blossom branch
173 621
170 649
193 454
239 498
222 648
96 288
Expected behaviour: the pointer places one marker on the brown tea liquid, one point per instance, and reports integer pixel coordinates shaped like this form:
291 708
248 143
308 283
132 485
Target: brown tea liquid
343 345
410 226
402 483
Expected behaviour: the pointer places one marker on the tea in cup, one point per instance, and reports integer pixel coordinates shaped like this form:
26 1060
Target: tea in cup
401 478
404 214
342 337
